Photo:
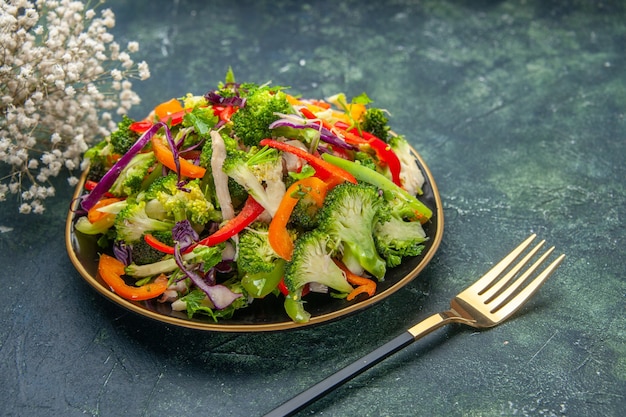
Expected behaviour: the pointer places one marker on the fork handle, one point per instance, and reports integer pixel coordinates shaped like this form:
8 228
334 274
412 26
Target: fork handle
342 376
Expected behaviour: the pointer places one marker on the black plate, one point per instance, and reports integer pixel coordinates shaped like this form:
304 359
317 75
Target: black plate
267 314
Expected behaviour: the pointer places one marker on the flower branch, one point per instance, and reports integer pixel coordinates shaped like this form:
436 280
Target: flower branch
63 79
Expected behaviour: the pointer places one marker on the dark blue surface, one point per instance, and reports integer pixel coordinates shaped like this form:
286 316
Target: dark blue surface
518 108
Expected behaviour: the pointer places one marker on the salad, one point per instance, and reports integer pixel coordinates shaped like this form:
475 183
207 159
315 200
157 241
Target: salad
216 201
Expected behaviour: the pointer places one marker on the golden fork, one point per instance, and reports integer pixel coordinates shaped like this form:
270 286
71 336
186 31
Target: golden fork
486 303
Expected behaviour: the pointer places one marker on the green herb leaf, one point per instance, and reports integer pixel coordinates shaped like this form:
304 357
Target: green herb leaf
202 120
305 172
230 76
196 302
361 99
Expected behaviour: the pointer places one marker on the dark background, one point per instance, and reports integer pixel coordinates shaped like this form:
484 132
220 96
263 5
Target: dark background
518 108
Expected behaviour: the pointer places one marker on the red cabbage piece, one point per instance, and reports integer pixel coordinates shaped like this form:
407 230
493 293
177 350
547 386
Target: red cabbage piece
214 97
108 179
220 295
325 134
184 234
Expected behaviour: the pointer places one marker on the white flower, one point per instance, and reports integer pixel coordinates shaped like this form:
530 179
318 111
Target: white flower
37 207
144 71
116 74
25 208
133 46
56 95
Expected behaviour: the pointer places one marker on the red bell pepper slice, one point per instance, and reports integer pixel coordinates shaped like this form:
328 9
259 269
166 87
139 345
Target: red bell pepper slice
157 244
324 170
225 112
383 151
172 119
248 214
141 126
176 118
282 287
311 116
356 137
90 185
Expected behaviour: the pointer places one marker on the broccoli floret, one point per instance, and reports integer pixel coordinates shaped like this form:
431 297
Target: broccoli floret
348 216
255 252
312 261
397 238
305 214
260 268
132 222
98 157
131 179
238 193
142 253
180 202
164 236
260 173
411 176
412 208
123 138
366 160
376 123
191 101
207 149
251 122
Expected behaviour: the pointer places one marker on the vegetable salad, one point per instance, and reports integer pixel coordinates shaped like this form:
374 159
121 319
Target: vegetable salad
216 201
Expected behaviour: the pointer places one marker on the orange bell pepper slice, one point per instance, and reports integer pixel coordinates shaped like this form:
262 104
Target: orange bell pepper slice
167 108
364 285
94 215
111 271
170 112
165 156
278 235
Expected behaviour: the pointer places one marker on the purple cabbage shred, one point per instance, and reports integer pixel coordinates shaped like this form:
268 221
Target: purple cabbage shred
123 252
184 234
